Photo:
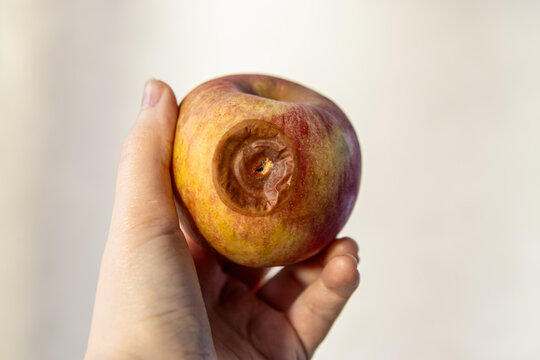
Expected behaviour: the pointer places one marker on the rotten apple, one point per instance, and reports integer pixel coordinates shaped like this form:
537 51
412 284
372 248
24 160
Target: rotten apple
268 169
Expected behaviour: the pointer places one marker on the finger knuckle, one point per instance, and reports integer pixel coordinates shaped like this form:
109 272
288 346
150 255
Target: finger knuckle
134 143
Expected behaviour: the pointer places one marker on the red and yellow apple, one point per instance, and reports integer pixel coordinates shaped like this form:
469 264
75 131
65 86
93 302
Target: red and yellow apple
268 169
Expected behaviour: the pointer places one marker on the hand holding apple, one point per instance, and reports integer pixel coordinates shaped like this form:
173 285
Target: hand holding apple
160 295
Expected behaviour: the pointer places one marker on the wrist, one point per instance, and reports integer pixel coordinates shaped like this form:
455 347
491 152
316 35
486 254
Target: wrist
98 353
104 354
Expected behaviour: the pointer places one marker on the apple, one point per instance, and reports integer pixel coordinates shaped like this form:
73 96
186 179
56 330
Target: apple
268 169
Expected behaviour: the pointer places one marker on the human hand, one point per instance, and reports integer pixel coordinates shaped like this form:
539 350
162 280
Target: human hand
161 296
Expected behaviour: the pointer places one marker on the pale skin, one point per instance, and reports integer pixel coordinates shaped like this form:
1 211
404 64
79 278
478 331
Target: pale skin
162 296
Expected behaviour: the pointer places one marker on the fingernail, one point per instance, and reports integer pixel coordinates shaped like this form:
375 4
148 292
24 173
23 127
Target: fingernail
355 258
151 94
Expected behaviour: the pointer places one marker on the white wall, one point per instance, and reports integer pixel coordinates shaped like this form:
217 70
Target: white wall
444 95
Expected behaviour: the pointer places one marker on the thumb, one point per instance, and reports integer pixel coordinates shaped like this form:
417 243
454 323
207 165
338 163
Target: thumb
144 197
148 296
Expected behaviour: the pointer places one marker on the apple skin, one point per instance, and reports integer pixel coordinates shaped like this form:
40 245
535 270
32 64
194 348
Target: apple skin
322 190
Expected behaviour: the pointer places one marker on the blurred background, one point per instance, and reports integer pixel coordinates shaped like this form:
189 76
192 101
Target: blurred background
445 98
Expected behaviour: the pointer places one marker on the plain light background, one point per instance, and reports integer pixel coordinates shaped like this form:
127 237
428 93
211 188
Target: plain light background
445 98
